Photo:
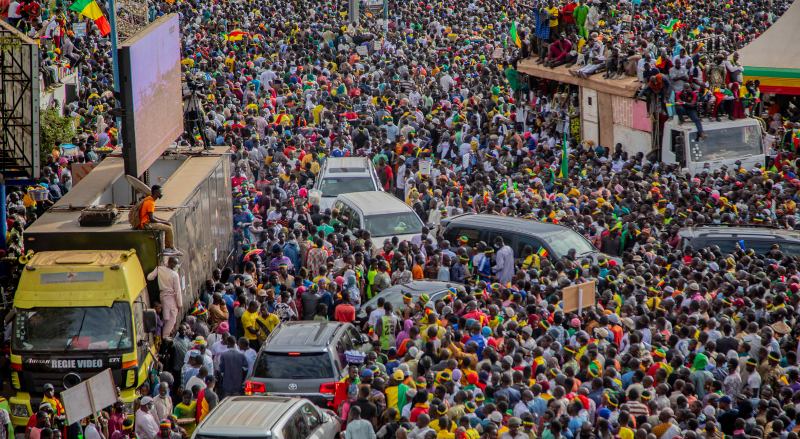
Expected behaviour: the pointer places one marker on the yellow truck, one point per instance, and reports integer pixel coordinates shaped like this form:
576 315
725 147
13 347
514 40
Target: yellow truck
83 303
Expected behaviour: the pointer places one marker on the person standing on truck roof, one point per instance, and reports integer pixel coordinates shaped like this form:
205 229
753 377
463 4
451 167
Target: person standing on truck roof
148 220
169 287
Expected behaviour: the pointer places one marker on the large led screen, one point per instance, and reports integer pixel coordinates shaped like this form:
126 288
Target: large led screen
150 71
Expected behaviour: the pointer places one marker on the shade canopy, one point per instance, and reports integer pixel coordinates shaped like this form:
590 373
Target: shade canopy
774 57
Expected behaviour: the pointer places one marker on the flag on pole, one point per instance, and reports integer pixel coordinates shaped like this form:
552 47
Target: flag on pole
91 10
514 34
542 252
671 26
564 159
236 35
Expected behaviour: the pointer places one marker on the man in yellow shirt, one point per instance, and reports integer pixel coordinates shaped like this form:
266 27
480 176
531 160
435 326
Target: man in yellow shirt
250 325
266 321
553 11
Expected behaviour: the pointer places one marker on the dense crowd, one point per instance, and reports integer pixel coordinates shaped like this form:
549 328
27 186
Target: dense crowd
683 342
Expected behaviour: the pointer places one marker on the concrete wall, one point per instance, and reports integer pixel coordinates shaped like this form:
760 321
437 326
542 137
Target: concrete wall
589 115
57 95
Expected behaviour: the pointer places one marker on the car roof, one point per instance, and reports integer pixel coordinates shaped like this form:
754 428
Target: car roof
238 416
375 202
503 223
302 336
418 287
346 164
722 231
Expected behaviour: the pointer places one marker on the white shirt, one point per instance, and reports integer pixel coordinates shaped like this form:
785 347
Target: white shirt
146 426
91 432
250 355
12 10
195 381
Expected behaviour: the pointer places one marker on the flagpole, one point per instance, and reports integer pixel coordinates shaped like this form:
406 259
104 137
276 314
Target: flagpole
112 18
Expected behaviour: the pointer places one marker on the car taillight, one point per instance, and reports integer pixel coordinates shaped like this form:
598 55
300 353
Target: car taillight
251 387
327 388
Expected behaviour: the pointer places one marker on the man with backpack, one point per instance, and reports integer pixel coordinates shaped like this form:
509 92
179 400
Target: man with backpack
147 220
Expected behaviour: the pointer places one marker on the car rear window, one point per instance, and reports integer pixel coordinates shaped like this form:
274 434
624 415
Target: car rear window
316 365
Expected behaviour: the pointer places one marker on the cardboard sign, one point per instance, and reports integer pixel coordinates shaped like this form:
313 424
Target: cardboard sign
497 53
578 297
79 29
90 396
425 167
362 50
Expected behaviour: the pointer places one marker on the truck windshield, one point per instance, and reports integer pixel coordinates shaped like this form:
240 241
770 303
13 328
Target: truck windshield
726 143
400 223
73 329
332 187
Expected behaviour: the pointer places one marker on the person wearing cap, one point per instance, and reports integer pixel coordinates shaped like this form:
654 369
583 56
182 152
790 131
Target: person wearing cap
49 397
750 377
170 293
278 259
146 423
514 429
165 430
774 372
396 391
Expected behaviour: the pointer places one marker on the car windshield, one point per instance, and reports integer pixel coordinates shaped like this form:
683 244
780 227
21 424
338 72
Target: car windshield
565 240
726 143
333 186
73 329
393 224
299 365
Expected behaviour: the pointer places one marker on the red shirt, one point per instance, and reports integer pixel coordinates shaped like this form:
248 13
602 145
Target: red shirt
417 410
566 13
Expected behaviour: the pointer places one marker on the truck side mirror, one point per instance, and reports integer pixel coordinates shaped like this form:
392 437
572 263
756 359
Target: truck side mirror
149 320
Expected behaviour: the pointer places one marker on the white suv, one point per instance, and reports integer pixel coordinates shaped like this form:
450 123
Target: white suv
343 175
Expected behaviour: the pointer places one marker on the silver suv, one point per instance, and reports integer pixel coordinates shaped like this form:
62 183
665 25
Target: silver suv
251 417
305 359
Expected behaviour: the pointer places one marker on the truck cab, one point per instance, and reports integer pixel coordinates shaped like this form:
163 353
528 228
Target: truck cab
724 143
76 314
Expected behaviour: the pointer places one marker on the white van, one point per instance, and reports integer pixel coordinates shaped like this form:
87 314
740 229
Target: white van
379 213
341 175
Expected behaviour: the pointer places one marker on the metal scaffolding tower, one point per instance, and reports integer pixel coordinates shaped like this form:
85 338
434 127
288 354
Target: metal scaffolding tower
19 105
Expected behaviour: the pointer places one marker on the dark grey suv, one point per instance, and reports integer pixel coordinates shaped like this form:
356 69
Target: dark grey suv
304 359
758 238
518 233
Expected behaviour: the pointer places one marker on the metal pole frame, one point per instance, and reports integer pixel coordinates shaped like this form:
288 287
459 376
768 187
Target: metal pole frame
3 217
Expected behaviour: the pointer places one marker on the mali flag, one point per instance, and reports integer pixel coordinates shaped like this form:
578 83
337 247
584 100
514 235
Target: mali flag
514 34
91 10
671 26
236 35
